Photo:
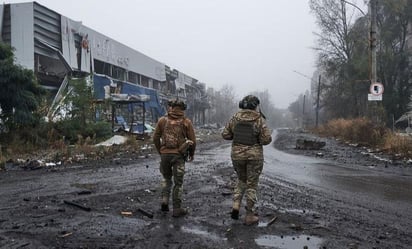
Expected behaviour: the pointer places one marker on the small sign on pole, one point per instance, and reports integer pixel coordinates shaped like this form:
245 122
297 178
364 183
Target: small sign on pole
372 97
375 92
376 88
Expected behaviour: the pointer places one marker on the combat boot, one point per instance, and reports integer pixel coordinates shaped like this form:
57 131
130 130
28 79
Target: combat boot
251 219
179 212
235 211
165 204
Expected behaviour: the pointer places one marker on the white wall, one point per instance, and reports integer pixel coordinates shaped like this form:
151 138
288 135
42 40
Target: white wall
22 33
106 49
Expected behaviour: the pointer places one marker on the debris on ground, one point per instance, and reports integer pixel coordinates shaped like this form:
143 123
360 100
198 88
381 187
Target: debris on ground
77 205
303 144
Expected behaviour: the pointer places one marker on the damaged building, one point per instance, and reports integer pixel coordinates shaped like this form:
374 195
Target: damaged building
58 48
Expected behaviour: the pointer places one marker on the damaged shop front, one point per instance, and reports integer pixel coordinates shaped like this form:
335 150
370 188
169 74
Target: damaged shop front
129 107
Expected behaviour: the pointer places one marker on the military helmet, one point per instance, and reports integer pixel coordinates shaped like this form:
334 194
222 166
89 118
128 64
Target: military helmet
249 102
177 103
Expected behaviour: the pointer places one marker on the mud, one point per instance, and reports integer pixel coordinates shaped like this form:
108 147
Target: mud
118 205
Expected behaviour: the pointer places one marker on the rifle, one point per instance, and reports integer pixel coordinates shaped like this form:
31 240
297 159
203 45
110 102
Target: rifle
186 154
261 113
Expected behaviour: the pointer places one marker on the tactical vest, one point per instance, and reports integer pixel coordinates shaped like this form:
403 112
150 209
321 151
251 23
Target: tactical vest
244 133
173 133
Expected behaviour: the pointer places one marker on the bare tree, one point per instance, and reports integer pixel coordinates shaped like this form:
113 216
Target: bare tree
394 55
342 48
224 104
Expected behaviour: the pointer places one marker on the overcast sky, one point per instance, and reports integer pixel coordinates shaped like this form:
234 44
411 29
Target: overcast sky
250 44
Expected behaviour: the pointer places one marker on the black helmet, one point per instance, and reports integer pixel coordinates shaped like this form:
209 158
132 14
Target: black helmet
249 102
177 102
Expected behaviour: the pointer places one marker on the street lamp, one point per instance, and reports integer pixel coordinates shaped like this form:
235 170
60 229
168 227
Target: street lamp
354 5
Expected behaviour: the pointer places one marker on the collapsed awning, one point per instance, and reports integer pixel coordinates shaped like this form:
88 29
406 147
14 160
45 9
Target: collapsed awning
128 91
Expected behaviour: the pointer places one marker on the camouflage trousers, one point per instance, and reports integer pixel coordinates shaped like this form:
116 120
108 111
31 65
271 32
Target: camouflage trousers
248 173
172 166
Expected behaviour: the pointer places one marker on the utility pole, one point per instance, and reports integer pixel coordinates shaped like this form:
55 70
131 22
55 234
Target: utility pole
373 43
317 100
372 37
317 104
303 111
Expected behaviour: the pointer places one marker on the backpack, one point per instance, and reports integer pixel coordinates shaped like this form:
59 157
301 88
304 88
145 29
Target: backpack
173 134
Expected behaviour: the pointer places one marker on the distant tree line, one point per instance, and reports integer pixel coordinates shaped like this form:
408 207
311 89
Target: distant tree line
226 103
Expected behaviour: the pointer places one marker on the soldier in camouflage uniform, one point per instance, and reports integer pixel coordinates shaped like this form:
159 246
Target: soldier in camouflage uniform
173 136
248 131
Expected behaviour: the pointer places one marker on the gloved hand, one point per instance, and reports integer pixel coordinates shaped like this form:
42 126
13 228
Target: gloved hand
190 158
184 149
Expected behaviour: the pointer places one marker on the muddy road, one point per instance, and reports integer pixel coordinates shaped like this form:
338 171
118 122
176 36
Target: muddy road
345 199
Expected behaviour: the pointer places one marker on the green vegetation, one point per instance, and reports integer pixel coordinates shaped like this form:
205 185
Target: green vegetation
23 107
79 119
21 100
20 96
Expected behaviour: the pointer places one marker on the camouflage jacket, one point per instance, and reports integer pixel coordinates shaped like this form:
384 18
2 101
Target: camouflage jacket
262 132
188 132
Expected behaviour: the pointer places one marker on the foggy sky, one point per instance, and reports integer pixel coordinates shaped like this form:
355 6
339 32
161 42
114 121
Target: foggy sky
251 44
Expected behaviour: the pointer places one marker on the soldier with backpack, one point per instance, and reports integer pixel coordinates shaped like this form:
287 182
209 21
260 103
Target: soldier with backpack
174 139
248 131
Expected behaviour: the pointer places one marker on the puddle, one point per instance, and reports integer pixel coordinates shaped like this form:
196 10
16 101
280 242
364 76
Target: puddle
263 224
268 223
296 211
201 232
289 242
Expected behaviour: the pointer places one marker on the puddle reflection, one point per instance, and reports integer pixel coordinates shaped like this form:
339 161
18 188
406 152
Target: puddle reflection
201 232
289 242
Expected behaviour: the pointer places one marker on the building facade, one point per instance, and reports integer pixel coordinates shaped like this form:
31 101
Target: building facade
56 47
